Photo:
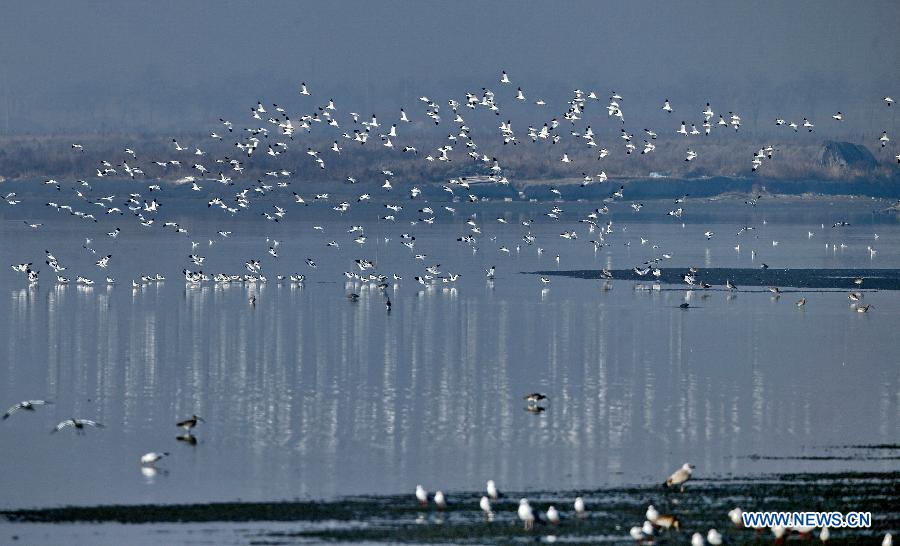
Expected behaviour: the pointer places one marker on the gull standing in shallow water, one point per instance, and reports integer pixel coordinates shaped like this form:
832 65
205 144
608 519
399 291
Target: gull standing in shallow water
492 490
680 476
439 500
553 515
526 514
485 505
421 495
580 509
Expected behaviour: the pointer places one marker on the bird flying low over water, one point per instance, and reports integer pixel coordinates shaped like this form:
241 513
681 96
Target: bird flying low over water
27 405
77 424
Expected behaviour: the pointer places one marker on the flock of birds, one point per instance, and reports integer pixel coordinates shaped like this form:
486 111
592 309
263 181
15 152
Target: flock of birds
273 132
147 460
654 523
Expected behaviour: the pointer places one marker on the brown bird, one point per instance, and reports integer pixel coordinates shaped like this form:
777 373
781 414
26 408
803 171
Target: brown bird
667 521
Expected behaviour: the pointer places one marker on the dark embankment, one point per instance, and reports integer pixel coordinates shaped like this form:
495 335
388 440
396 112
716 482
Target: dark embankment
809 279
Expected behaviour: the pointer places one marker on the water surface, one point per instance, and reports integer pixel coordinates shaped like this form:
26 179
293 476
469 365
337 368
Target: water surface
309 396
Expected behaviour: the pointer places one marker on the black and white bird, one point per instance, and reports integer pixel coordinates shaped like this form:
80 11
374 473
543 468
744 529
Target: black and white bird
188 424
535 397
27 405
77 424
149 459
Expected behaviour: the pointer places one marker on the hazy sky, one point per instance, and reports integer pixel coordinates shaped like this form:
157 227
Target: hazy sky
124 66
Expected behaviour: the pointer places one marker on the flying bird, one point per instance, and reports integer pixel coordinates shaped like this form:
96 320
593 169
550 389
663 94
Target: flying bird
27 405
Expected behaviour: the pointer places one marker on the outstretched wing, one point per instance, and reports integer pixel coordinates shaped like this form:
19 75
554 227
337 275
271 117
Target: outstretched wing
64 424
13 409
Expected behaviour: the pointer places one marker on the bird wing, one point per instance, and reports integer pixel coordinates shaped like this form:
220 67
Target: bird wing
90 423
12 410
677 477
64 424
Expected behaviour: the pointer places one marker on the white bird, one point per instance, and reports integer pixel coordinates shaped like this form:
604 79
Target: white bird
580 510
492 490
680 476
485 505
714 537
439 500
422 495
152 457
526 514
553 515
637 534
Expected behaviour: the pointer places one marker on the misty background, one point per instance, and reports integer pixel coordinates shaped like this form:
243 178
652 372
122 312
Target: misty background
152 68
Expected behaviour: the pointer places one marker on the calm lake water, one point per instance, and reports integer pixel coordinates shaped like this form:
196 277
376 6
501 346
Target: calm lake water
308 395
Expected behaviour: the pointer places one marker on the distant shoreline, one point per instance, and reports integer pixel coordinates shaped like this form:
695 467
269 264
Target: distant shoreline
569 189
